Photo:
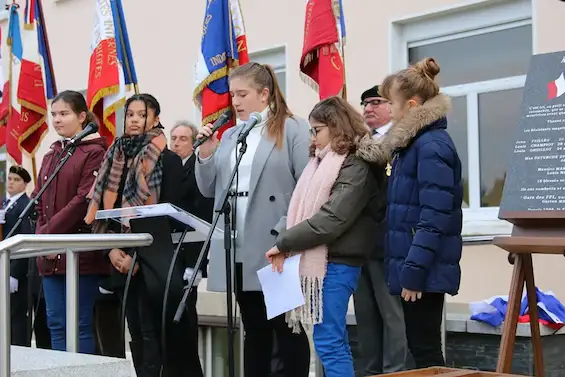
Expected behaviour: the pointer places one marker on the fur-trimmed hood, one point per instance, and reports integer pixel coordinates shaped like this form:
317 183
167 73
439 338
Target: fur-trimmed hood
403 132
369 149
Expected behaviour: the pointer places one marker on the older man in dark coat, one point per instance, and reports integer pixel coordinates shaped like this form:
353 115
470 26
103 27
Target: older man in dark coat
380 321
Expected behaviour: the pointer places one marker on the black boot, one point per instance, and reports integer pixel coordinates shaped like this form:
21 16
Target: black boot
107 325
146 364
137 356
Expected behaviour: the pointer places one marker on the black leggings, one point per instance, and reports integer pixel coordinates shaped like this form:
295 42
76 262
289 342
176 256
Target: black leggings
423 329
144 321
294 349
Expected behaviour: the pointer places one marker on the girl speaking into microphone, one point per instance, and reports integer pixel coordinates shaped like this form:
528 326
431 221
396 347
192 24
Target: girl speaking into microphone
277 151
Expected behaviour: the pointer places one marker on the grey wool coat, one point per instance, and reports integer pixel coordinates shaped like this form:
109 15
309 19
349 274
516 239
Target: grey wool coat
274 173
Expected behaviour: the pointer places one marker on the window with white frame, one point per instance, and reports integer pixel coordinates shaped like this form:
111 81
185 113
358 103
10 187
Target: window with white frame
275 57
483 51
4 13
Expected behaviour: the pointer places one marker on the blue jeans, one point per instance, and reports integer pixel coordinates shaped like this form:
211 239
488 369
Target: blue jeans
54 289
330 336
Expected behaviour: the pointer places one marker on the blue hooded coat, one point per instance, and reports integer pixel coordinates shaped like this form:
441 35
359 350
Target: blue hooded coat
423 242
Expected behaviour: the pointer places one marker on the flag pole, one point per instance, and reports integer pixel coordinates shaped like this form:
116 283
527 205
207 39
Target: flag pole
124 52
344 90
10 80
229 61
50 62
53 83
126 60
338 12
9 43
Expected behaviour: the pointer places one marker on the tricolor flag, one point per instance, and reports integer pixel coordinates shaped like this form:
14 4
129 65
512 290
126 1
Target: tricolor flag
3 103
556 88
11 90
36 83
224 45
111 65
321 64
492 311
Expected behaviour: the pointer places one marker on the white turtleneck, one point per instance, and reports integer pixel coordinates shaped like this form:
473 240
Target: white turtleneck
244 173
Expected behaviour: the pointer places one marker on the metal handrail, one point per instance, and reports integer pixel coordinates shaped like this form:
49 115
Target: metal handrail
32 245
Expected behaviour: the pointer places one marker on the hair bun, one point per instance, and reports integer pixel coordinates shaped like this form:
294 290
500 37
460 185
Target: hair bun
428 67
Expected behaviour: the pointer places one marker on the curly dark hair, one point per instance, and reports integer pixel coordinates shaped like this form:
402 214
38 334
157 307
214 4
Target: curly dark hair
345 124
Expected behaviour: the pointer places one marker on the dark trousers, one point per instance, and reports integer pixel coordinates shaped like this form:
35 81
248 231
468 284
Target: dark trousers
423 329
294 349
18 314
107 326
40 328
37 306
380 322
144 321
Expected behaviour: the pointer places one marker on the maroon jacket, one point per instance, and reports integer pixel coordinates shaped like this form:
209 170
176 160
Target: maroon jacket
62 208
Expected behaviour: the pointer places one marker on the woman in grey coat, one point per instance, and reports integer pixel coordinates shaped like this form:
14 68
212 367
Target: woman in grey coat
277 152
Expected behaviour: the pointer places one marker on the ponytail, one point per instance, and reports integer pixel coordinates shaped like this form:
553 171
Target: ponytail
263 76
279 109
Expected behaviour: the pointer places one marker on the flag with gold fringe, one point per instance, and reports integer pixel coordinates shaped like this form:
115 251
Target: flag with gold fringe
36 80
322 61
112 70
223 46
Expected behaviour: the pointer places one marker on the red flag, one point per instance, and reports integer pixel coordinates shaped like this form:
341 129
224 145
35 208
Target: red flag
321 65
31 97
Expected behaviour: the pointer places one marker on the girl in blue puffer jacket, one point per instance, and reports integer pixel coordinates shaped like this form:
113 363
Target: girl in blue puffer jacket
423 246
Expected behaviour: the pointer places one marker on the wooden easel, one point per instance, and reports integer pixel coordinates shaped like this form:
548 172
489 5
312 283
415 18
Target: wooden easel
533 233
445 372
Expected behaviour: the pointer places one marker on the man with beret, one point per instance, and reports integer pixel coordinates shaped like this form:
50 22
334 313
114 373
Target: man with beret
380 320
13 205
376 111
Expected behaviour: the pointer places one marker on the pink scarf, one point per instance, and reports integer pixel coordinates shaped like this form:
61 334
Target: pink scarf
312 191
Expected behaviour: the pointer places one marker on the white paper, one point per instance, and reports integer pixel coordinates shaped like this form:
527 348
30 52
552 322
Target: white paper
282 291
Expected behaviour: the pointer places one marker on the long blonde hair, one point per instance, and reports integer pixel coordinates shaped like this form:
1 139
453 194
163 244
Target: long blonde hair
262 76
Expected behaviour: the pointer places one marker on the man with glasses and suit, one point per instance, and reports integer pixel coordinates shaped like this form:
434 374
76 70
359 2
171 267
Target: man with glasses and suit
380 320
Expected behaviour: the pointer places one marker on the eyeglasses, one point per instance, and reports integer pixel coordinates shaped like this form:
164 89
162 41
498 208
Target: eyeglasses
314 130
373 102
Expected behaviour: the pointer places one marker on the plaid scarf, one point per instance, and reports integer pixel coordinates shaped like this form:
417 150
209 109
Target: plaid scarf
144 175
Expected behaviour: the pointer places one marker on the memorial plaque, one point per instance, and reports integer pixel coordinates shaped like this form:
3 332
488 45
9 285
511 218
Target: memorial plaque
535 181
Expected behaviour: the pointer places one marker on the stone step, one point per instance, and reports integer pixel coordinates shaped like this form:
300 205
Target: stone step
34 362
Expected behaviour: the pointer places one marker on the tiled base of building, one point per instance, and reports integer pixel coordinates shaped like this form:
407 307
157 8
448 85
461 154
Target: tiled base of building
480 352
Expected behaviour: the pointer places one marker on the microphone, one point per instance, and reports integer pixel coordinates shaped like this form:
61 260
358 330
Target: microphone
219 123
88 130
254 118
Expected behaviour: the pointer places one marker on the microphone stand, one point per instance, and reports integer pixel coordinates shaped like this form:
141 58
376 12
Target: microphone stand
224 208
71 148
